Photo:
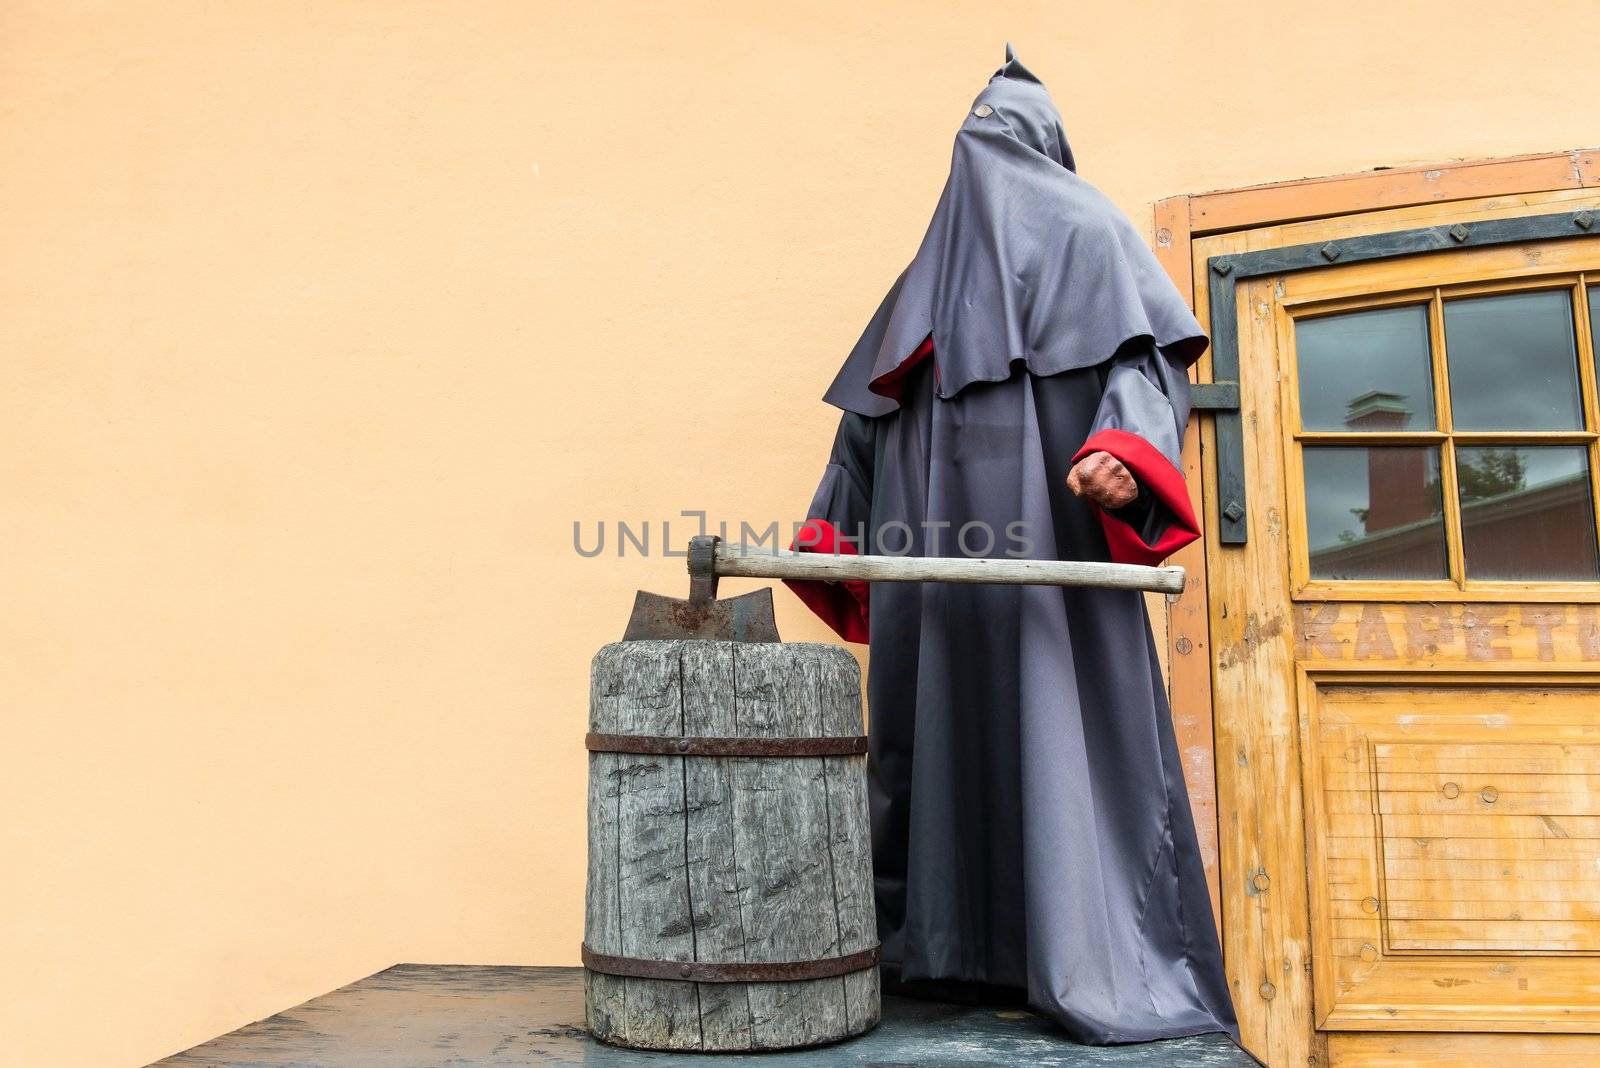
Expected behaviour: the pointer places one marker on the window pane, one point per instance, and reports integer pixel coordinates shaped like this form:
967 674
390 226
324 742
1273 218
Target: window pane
1526 512
1366 370
1374 513
1512 362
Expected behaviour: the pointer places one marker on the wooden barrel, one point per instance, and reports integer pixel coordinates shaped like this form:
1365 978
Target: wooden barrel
730 880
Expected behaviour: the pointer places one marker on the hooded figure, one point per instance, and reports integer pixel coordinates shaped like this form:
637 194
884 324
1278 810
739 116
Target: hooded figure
1031 833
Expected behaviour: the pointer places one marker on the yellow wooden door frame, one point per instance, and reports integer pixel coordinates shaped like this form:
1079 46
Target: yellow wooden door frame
1268 963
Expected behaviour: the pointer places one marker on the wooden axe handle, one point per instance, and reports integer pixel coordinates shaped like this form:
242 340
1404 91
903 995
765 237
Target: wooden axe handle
755 561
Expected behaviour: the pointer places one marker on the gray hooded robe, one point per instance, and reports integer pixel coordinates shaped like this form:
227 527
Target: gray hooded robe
1032 839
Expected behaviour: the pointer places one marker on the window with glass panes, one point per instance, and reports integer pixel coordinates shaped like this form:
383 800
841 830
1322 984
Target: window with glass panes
1452 436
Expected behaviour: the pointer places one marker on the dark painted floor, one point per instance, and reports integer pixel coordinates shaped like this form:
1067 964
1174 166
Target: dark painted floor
419 1016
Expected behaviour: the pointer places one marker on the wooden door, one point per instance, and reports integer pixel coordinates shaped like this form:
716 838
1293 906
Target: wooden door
1404 594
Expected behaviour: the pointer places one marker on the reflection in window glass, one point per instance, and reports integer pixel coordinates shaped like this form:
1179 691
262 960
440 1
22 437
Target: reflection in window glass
1526 512
1374 513
1367 370
1513 365
1594 318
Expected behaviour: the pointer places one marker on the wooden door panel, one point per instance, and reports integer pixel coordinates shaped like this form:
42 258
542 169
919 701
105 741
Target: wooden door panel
1454 848
1400 1050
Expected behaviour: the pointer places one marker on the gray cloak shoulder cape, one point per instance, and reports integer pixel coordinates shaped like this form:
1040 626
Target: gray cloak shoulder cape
1032 838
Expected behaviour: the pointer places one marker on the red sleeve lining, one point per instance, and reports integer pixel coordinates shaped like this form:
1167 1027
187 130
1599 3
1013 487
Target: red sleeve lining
1156 473
841 605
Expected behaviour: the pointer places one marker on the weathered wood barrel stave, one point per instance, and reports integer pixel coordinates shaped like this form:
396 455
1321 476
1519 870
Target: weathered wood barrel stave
715 878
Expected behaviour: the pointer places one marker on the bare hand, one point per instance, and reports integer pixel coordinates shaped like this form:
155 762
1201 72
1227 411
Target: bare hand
1102 478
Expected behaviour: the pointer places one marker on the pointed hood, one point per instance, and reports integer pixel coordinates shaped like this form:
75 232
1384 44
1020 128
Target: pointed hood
1023 109
1023 263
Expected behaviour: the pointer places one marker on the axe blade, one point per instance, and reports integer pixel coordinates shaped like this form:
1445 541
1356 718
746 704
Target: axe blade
745 618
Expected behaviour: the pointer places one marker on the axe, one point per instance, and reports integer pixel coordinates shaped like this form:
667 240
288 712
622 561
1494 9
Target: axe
749 618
